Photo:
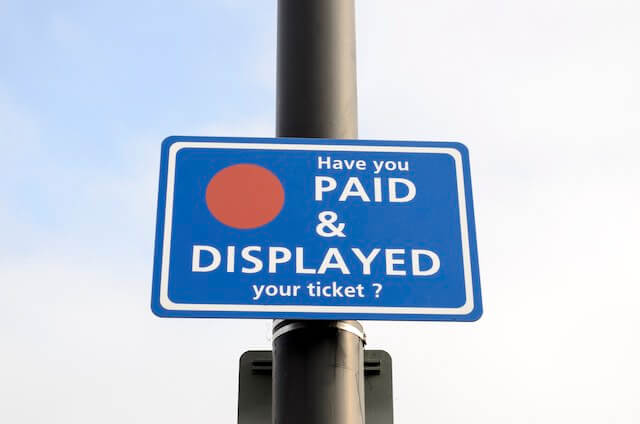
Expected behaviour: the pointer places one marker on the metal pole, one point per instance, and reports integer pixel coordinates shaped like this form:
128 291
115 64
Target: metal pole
318 372
318 366
316 77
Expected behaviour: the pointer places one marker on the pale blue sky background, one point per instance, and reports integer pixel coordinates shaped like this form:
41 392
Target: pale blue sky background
544 93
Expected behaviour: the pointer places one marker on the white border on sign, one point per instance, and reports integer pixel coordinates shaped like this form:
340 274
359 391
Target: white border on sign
168 304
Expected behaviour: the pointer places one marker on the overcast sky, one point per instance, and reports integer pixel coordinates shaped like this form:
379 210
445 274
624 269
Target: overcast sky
546 95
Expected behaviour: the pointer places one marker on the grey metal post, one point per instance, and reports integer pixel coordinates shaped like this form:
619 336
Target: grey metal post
316 77
318 366
318 372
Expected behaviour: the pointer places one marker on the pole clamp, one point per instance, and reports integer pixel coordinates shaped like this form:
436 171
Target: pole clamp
283 326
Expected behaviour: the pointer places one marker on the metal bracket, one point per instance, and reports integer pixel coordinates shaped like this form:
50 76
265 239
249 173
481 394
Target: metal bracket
254 393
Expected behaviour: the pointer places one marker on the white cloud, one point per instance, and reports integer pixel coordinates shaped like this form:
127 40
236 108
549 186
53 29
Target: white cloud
546 96
81 339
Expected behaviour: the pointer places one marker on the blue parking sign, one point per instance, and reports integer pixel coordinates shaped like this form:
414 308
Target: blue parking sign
315 229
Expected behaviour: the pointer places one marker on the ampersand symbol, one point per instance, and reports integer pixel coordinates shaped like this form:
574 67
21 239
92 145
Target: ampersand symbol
326 228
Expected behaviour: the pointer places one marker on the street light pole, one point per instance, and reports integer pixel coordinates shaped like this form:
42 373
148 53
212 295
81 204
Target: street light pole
318 366
316 76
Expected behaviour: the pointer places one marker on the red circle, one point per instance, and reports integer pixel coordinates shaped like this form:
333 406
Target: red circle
244 196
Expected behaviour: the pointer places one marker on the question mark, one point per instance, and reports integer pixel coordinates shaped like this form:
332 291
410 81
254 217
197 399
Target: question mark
378 287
